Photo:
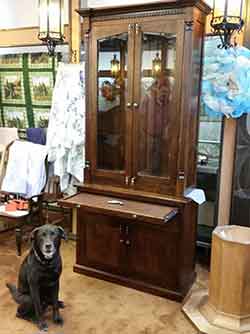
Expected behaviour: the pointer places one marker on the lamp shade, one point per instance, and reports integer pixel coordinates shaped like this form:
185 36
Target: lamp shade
115 66
227 19
51 22
227 8
156 65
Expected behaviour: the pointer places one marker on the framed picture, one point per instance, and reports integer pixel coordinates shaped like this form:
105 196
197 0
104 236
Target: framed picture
41 84
40 60
11 61
1 120
12 87
15 117
41 117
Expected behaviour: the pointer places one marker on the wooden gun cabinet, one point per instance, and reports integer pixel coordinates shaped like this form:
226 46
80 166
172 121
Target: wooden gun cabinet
143 70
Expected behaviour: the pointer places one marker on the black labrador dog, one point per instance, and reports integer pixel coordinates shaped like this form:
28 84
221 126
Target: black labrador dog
38 281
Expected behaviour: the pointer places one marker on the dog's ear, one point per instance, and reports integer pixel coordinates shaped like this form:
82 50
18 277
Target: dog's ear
33 234
62 233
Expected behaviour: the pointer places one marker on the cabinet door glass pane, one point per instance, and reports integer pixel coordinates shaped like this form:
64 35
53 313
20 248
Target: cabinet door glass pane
112 91
157 110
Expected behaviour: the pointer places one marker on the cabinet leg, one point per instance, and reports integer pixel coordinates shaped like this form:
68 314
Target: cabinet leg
19 241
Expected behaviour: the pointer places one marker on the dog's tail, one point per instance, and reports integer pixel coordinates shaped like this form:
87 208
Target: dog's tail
14 293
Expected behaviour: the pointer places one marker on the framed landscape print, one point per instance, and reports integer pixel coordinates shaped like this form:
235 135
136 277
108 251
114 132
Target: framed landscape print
12 87
11 61
41 117
15 117
41 84
40 60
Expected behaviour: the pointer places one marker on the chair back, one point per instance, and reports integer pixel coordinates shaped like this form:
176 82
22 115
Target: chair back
8 135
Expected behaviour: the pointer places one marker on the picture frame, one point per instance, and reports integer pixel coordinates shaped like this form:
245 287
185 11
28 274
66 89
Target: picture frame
12 88
15 117
41 85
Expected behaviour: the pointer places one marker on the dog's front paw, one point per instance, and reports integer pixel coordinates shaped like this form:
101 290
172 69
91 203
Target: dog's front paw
58 320
42 325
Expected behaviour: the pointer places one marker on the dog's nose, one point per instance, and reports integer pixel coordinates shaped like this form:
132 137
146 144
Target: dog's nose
48 247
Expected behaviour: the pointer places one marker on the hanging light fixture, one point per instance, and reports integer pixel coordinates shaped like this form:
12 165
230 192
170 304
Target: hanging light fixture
156 65
226 20
115 66
51 23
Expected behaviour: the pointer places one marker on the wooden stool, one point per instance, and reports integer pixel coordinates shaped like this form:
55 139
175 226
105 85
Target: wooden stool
226 309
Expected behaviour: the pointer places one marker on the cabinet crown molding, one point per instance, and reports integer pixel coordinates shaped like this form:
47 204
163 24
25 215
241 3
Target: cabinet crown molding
151 9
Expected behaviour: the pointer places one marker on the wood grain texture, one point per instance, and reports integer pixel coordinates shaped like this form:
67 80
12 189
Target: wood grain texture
131 244
227 169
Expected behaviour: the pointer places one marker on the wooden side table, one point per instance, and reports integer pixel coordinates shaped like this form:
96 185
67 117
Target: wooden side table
226 308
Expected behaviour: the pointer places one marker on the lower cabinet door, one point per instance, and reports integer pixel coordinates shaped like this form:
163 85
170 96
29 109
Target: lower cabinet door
152 255
100 242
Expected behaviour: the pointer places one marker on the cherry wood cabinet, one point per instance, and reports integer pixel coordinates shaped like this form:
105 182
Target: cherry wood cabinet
143 70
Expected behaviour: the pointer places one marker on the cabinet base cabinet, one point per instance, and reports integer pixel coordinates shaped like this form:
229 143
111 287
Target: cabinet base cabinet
132 253
132 283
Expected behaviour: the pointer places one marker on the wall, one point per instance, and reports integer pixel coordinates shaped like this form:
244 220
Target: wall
10 10
101 3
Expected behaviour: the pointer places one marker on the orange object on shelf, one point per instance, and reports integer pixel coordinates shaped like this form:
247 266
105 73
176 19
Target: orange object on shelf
22 204
11 206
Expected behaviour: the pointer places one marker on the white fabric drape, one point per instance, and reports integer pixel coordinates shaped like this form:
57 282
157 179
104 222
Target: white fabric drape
26 172
66 130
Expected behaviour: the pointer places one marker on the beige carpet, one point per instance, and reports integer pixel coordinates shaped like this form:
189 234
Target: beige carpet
93 306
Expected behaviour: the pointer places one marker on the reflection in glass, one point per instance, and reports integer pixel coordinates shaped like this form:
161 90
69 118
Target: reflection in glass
112 90
156 126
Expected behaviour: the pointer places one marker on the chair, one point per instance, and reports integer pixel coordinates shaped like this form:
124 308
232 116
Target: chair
7 136
51 194
35 201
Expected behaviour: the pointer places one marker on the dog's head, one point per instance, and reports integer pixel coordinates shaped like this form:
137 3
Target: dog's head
47 239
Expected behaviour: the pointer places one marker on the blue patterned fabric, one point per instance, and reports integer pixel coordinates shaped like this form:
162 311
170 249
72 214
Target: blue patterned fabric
226 80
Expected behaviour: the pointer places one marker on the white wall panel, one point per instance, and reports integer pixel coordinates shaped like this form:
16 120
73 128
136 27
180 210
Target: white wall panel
101 3
22 13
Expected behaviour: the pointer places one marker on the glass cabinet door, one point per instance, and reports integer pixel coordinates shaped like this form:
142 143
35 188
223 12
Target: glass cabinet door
156 113
111 112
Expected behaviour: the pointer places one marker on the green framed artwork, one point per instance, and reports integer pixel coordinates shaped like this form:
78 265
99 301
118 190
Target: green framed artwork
26 88
15 117
41 117
40 60
12 87
41 84
11 61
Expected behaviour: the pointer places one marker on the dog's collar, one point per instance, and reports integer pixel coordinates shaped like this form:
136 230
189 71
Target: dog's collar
38 257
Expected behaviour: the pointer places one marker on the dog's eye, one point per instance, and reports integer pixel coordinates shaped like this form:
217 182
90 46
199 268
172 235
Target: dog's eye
52 233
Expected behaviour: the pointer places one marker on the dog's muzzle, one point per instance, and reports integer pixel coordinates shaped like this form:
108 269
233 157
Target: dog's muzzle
48 250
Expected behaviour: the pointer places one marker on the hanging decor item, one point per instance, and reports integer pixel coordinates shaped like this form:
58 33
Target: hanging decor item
115 66
226 20
156 65
51 23
226 80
